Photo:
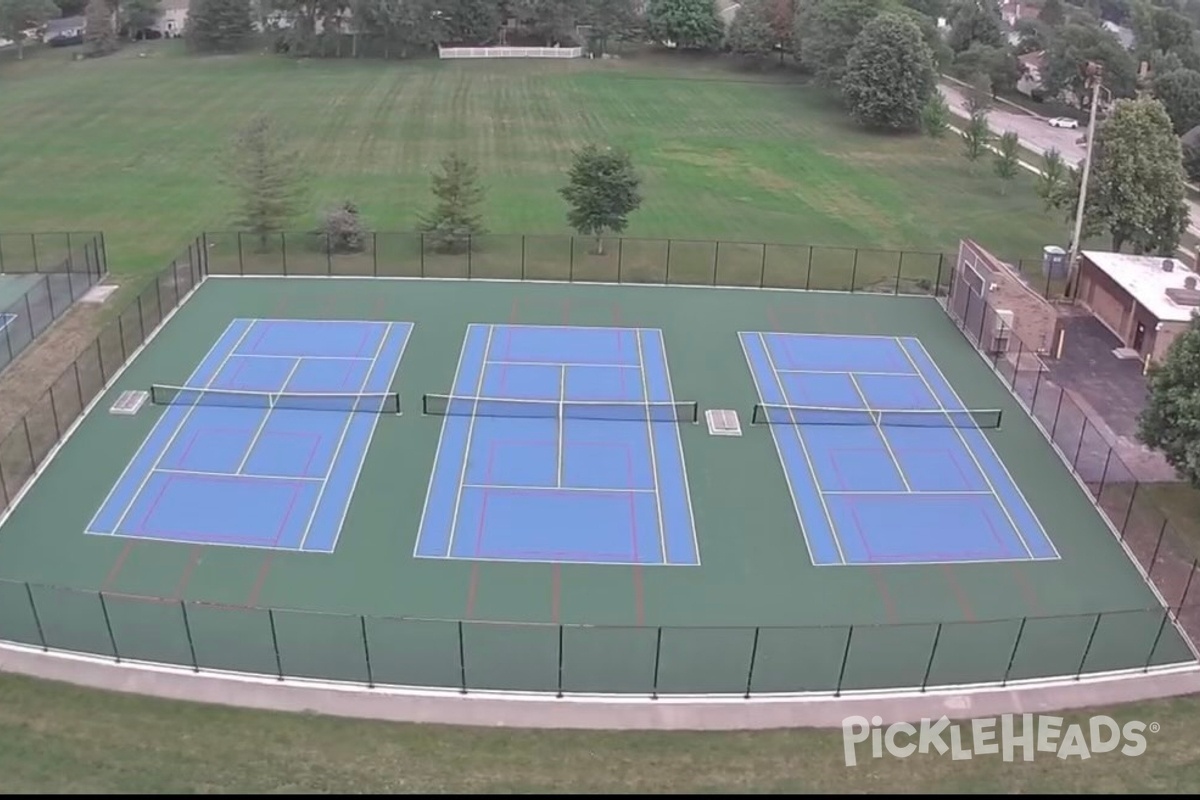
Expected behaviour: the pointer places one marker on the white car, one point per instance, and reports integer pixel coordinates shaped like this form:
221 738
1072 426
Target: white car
1063 122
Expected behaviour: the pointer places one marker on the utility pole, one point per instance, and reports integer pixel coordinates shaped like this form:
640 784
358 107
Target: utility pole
1095 75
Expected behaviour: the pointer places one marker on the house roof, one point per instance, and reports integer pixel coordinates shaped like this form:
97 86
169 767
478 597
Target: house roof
65 24
1145 279
1037 60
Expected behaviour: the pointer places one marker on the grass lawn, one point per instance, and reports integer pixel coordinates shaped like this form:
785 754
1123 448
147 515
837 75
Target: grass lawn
128 145
60 739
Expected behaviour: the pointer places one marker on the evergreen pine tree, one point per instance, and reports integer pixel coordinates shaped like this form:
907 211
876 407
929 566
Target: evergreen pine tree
218 26
100 35
455 217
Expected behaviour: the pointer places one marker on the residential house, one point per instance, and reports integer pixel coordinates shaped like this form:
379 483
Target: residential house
1013 11
174 16
727 10
1124 35
64 32
1033 66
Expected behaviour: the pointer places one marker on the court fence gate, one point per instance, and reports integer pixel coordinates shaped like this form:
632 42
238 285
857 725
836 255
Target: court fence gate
465 656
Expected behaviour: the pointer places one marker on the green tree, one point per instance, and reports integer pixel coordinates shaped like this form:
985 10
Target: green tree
455 217
610 21
1191 163
827 29
267 177
100 35
218 26
889 74
974 22
1008 159
999 64
602 191
139 15
930 8
935 116
551 21
342 229
976 135
1033 36
17 16
1072 47
752 33
1170 422
943 56
1159 30
1053 14
402 27
1137 186
1052 178
1179 92
690 24
470 22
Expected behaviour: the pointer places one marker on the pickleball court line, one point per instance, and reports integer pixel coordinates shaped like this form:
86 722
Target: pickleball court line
267 417
645 398
687 491
882 433
466 450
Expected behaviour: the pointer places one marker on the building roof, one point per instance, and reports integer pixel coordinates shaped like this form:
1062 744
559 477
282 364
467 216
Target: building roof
65 24
1144 278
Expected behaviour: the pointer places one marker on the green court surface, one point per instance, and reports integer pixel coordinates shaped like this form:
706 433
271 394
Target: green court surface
756 615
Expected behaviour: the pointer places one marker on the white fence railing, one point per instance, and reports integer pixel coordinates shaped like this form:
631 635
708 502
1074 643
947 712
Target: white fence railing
510 52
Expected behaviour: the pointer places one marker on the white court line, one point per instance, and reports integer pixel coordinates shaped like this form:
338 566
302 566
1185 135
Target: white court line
843 372
687 491
374 427
606 328
519 487
263 423
919 493
882 435
437 453
595 364
247 475
662 534
466 456
562 427
970 450
308 358
795 427
180 426
337 451
999 460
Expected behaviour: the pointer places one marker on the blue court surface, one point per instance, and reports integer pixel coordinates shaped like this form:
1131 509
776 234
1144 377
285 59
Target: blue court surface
560 444
915 481
263 444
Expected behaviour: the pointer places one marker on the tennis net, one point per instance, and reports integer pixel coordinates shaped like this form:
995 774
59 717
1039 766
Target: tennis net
377 403
767 414
443 405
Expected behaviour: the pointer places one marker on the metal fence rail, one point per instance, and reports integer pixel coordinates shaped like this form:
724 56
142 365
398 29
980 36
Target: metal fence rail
53 252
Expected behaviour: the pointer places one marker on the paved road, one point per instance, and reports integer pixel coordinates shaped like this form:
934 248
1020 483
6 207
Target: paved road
1037 135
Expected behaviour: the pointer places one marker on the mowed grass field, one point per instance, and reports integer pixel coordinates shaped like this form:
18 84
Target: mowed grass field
129 145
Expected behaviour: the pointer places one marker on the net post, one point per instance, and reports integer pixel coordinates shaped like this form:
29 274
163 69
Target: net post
1087 648
657 660
108 626
837 692
937 635
1162 626
753 658
362 622
275 644
560 661
462 661
37 618
1012 656
187 630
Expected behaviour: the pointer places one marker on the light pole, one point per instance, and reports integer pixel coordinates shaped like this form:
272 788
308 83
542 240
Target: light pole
1095 77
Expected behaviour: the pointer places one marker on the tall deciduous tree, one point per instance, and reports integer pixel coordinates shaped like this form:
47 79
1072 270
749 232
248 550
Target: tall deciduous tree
100 35
17 16
1008 159
1072 47
1179 92
139 15
976 134
690 24
218 26
267 176
974 22
609 21
1052 179
1170 421
455 217
826 30
889 74
602 191
999 64
752 32
1136 190
1053 14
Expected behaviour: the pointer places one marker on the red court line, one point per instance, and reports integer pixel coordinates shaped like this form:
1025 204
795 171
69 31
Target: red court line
889 605
117 565
639 582
260 580
959 594
193 560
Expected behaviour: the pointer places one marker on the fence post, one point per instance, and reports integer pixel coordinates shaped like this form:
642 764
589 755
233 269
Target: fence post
374 254
808 275
1037 385
8 342
4 486
470 251
275 644
462 661
1162 626
37 620
1079 447
1012 657
667 272
241 258
523 256
28 443
1162 532
716 259
1187 587
854 271
1 254
571 259
141 321
79 385
937 286
762 270
1057 411
620 256
33 245
837 692
29 316
54 414
421 238
753 658
108 625
657 657
103 252
187 630
70 257
560 657
367 651
899 272
328 254
1129 510
937 635
1088 647
283 250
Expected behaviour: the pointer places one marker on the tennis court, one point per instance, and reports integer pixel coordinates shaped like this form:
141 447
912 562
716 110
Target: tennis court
560 444
880 453
262 445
